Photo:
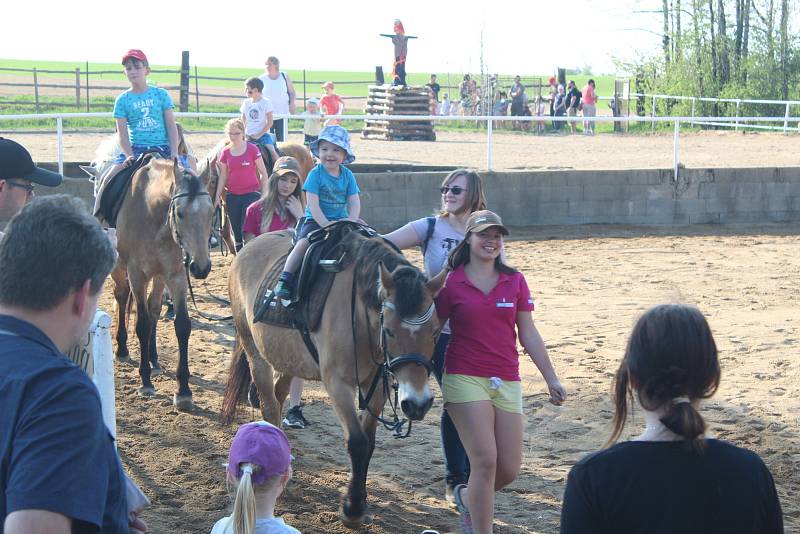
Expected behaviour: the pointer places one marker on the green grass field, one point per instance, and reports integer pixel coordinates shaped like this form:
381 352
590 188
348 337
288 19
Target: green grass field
307 84
350 83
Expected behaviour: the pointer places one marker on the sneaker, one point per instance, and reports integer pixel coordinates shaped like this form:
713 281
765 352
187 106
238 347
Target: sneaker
283 290
449 495
294 418
466 519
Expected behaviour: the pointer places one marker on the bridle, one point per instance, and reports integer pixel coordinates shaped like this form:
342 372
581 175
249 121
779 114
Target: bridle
387 368
172 217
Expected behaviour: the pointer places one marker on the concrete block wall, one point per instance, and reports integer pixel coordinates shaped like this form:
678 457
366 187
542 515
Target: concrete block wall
529 198
646 197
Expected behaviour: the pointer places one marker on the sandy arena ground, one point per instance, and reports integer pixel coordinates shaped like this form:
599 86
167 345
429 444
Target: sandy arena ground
590 284
516 151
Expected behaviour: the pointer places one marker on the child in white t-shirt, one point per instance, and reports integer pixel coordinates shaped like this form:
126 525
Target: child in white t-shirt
257 115
312 124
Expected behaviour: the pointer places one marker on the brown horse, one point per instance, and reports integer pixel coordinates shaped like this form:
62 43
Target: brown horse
207 170
162 229
378 322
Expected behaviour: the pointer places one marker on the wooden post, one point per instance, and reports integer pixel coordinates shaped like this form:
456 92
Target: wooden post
87 87
78 88
36 89
184 96
196 91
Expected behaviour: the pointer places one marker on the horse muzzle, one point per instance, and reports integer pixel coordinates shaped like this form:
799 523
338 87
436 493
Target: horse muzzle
199 272
416 409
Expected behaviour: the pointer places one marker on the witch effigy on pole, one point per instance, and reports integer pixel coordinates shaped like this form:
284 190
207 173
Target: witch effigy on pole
400 41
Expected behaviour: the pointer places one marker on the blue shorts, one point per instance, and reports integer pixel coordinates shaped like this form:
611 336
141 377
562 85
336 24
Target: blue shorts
161 150
308 226
266 139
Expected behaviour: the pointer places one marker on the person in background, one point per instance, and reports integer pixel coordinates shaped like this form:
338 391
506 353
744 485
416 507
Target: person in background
517 100
573 103
259 467
559 108
446 106
672 477
278 88
435 88
332 105
312 123
589 106
489 308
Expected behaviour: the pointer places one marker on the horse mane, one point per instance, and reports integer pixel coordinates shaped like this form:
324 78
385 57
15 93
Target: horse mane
195 186
409 281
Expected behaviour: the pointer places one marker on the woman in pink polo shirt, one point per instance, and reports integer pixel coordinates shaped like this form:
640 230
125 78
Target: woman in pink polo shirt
488 304
241 171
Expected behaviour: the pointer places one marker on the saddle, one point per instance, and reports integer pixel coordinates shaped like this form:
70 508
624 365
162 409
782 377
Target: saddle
112 192
266 155
325 257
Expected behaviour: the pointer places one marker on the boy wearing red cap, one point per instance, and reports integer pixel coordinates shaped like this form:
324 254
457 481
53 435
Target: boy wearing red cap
145 120
259 466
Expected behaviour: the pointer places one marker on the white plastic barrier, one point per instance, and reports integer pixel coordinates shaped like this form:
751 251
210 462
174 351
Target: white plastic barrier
94 355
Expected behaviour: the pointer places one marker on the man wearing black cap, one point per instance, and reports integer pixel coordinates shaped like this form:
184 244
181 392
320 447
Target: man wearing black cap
18 179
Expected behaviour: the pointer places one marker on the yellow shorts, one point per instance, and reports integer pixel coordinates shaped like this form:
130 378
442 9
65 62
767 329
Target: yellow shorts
465 388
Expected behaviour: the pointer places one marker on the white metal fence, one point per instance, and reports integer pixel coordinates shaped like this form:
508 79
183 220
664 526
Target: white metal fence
731 122
738 121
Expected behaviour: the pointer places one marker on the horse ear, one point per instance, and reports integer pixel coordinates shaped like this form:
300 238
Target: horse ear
175 167
91 170
435 284
387 282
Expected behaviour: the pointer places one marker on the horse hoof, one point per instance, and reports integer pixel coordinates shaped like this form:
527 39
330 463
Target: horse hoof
355 523
147 391
183 402
155 370
124 358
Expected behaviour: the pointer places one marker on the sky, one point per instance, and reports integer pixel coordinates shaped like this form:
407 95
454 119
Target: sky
531 37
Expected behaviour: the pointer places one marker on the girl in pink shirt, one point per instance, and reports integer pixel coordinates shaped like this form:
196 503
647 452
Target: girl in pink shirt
489 306
241 172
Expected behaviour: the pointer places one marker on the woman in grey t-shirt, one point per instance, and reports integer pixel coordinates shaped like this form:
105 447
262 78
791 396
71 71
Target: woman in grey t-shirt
462 193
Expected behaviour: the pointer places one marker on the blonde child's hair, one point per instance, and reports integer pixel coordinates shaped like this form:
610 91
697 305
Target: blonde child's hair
235 122
243 517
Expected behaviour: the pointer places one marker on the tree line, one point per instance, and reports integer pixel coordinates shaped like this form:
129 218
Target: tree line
724 49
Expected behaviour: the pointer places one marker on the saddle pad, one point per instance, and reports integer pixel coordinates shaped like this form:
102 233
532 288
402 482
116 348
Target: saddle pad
307 311
112 193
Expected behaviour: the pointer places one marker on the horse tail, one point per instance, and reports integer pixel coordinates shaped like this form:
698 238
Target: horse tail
238 383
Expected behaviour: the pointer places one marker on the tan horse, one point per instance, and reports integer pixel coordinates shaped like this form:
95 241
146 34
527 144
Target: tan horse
164 221
207 170
379 318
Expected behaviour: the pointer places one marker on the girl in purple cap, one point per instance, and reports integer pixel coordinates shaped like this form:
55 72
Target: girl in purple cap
259 466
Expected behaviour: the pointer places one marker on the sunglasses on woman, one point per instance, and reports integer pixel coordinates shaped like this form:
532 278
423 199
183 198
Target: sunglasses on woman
456 190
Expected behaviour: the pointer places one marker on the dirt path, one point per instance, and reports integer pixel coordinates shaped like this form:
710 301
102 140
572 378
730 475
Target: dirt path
589 290
516 151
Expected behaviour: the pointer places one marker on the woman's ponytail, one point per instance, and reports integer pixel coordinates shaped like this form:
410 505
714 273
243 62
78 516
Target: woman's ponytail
244 506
